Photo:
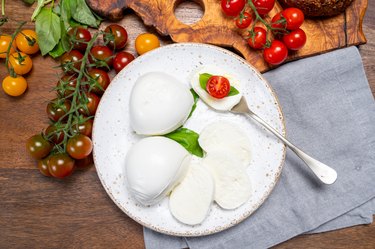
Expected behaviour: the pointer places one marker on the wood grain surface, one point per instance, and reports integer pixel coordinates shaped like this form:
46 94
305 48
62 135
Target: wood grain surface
41 212
214 27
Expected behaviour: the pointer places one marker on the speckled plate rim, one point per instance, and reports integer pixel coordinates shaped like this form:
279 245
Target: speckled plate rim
271 186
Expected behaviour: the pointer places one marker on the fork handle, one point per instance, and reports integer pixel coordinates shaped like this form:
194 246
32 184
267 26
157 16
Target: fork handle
325 173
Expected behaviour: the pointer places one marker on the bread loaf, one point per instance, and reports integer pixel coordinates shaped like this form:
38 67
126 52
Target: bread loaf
318 7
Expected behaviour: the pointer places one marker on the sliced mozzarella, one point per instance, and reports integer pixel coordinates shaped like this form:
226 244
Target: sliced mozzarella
191 200
224 104
224 134
232 183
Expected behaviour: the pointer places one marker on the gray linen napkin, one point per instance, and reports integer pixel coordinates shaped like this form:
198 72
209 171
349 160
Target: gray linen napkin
330 113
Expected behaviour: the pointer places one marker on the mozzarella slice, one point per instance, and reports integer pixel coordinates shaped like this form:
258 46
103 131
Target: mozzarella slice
224 104
191 200
224 134
232 183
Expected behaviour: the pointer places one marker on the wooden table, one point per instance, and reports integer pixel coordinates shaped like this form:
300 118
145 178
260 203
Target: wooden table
41 212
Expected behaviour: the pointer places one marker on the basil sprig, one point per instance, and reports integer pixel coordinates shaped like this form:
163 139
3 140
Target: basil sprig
203 79
188 139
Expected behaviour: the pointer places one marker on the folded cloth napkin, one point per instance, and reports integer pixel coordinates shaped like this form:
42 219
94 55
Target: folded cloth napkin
330 113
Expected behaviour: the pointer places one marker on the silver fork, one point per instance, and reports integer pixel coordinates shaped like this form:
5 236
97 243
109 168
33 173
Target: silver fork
325 173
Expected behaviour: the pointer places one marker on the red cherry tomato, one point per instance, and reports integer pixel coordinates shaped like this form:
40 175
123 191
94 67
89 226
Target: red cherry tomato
102 56
60 165
218 86
84 128
294 18
232 7
263 6
91 105
79 38
56 109
85 162
116 36
295 40
66 85
38 147
258 38
121 60
43 166
279 24
245 22
71 61
99 79
53 135
79 146
276 53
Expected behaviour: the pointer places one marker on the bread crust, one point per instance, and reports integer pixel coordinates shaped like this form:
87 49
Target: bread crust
317 8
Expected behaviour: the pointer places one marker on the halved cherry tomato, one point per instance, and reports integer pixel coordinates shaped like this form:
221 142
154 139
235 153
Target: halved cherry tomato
276 53
218 86
263 6
60 165
79 37
232 7
294 18
295 40
38 147
27 41
4 44
79 146
14 86
100 79
121 60
245 21
20 62
258 38
116 36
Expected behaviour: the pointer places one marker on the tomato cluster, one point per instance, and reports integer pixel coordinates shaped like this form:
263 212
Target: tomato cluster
283 33
16 50
66 143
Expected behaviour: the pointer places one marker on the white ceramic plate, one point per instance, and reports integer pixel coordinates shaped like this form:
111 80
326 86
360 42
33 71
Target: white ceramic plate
113 136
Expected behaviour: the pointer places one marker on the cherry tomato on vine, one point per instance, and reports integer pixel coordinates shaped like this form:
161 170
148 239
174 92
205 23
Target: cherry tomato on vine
4 45
232 7
278 23
43 166
71 61
20 62
101 80
146 42
276 53
53 135
56 109
38 147
263 6
295 40
85 162
79 38
91 105
60 165
14 86
245 21
258 38
121 60
66 85
294 18
27 41
102 56
84 128
218 86
79 146
116 36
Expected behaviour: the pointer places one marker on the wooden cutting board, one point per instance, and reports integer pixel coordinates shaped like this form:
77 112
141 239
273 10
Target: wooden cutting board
323 35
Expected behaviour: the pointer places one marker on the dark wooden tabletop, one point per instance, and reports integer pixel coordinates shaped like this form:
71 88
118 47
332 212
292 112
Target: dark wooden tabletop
41 212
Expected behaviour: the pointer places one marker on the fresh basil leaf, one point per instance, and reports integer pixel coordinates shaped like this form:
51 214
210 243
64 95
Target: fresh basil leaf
196 98
48 29
37 10
57 51
64 40
65 13
57 9
203 78
83 14
233 91
188 139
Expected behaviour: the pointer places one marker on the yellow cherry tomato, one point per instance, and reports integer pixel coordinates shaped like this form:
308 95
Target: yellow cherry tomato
14 86
146 42
4 44
27 41
20 62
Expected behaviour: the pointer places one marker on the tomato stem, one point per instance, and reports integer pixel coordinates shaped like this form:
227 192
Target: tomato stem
15 33
3 7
